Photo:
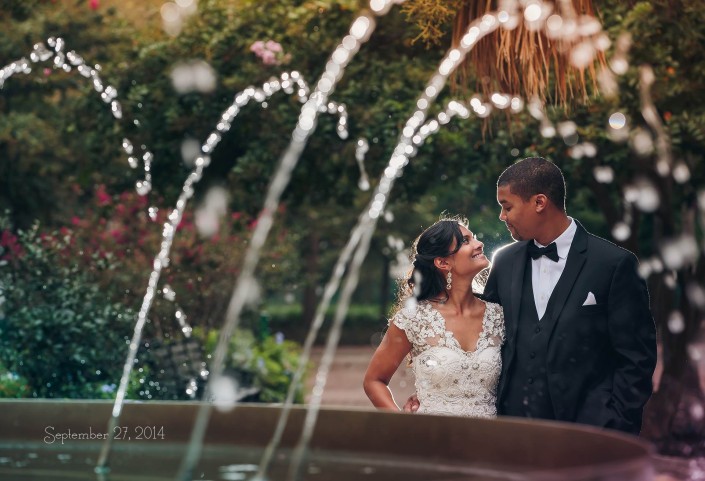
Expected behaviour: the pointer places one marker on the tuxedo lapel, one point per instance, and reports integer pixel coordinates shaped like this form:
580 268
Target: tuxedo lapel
518 260
577 256
516 290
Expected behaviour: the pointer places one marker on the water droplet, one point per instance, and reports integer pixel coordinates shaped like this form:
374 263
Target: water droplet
127 146
694 353
647 198
642 142
192 388
501 101
603 174
410 306
143 187
589 149
207 222
679 252
681 173
696 295
554 23
582 55
676 323
621 231
548 131
116 109
567 129
169 294
532 12
617 120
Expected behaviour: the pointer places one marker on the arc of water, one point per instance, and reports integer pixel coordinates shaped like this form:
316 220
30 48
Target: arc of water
67 61
329 291
454 108
360 31
650 114
287 82
399 159
360 150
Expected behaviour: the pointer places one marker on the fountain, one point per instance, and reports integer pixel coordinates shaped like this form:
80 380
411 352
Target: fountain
294 441
62 440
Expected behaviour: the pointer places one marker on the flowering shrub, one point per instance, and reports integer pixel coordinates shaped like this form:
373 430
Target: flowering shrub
201 274
59 332
270 52
76 289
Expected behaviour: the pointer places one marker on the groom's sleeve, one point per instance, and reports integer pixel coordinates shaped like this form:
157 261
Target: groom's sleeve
491 291
633 337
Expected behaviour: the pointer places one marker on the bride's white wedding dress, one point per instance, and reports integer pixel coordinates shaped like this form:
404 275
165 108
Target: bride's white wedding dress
450 380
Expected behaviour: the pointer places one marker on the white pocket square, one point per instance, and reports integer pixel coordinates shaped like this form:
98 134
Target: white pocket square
590 300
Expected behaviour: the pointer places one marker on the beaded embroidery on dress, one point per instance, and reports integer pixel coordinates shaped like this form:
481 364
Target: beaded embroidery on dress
450 380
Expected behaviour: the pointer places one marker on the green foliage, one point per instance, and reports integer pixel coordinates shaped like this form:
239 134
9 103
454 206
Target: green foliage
12 385
53 124
58 330
266 365
53 127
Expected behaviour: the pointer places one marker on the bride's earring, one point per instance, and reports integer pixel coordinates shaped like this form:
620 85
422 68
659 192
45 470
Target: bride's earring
449 281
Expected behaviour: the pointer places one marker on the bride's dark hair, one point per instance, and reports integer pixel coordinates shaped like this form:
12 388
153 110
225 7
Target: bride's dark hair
424 280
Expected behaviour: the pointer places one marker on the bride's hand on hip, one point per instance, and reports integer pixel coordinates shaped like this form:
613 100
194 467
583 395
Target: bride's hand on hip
412 404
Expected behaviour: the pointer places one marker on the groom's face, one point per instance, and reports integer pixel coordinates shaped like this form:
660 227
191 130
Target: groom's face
516 214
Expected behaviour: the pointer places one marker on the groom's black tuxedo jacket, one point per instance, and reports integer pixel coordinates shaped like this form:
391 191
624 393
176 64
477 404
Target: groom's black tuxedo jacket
599 358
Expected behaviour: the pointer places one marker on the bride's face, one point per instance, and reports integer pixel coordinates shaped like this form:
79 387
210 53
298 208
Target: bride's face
470 258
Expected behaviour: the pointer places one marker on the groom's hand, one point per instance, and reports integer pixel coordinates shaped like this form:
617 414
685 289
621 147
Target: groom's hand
412 404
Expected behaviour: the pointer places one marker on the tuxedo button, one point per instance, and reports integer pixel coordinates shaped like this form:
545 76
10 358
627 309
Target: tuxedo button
537 330
530 380
532 355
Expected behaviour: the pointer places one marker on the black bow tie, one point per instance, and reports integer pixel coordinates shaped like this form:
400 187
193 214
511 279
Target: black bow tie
549 251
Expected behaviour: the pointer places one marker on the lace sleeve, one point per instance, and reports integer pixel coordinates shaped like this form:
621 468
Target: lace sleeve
403 322
496 317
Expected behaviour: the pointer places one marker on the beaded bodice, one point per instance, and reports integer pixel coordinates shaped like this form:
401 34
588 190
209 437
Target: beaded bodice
450 380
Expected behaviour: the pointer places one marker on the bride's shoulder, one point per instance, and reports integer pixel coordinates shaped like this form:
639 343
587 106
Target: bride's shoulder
411 312
494 311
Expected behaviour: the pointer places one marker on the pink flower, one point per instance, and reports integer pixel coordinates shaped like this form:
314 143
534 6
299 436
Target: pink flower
268 58
257 47
47 72
75 220
9 241
94 4
270 52
102 196
117 235
273 46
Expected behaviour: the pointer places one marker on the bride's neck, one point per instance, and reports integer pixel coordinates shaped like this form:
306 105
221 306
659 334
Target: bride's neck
461 298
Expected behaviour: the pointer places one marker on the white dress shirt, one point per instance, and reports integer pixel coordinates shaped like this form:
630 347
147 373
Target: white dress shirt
545 273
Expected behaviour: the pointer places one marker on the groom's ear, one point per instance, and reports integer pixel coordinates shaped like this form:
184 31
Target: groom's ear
540 202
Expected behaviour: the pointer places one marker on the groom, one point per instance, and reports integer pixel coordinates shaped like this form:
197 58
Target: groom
580 339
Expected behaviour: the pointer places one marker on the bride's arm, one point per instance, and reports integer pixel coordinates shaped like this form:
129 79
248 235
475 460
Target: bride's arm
384 363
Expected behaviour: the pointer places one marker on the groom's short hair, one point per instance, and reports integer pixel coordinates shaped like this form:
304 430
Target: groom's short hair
535 175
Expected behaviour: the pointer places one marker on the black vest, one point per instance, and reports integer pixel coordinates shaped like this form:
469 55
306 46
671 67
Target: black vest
526 394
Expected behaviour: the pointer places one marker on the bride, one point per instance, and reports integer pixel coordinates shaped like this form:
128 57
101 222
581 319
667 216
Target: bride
453 338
